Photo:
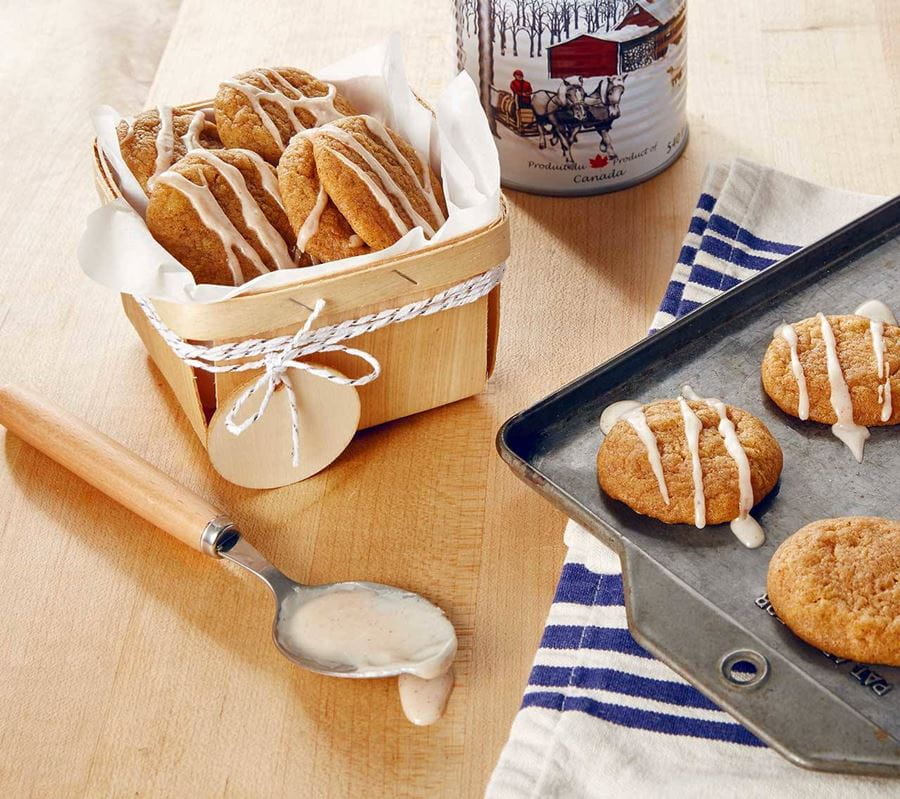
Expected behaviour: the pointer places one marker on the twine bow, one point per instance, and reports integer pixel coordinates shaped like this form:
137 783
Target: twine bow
276 365
276 356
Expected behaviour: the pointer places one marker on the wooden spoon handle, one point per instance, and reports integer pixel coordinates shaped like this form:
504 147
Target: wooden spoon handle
110 467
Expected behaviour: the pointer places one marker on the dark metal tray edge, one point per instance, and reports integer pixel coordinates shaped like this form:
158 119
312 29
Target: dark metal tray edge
867 232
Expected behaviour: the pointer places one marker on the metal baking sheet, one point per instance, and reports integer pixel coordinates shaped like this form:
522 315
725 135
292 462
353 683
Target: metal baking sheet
694 597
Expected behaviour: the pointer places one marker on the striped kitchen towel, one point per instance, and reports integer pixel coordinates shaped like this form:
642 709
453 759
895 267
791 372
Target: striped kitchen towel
601 717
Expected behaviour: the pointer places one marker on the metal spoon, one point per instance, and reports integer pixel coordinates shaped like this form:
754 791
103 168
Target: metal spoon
174 508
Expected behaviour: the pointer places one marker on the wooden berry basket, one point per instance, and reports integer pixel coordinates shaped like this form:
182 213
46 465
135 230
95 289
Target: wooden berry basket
426 362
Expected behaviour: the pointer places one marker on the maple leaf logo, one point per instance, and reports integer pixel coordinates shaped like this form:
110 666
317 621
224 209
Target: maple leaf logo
599 161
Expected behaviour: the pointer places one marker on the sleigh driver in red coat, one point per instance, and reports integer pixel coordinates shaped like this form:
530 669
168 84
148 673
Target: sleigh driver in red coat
521 89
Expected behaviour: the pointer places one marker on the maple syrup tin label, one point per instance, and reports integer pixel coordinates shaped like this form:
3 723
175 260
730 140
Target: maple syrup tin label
583 96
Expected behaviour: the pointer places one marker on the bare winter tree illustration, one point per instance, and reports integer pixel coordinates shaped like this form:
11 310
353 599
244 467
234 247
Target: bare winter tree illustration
504 22
535 24
559 16
486 58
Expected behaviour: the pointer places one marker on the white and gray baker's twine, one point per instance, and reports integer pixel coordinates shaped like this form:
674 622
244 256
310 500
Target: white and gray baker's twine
276 355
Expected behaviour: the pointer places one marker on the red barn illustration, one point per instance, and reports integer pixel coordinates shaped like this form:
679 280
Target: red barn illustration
638 15
638 40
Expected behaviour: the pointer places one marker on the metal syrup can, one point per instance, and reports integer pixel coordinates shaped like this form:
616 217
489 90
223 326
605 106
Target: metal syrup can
583 96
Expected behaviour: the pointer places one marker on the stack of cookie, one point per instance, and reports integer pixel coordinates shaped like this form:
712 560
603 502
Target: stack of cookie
282 172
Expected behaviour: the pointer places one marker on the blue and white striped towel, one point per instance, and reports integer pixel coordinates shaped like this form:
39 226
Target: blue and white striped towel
601 717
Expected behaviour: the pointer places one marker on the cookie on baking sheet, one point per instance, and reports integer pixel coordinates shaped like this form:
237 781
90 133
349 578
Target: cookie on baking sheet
262 109
795 369
647 461
836 584
159 137
322 231
380 184
219 213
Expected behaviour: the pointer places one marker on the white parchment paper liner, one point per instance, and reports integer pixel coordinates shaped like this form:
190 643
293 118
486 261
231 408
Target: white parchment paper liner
118 251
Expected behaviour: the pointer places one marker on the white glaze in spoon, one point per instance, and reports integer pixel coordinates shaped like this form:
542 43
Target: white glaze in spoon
365 628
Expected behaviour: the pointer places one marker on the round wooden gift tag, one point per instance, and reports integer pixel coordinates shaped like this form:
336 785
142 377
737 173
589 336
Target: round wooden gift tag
261 456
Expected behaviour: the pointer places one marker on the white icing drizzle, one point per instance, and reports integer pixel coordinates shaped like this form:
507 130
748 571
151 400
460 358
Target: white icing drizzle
638 421
788 333
876 309
387 181
879 315
615 411
376 192
321 107
311 223
692 429
747 529
269 238
876 327
266 175
688 393
845 429
213 217
191 138
376 128
165 143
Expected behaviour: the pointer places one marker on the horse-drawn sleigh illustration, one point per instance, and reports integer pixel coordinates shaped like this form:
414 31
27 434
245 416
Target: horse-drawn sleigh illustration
562 115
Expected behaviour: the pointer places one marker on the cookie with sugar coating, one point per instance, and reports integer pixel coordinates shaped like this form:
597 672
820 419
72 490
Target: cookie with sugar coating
219 213
835 584
859 365
322 231
262 109
377 180
148 146
625 471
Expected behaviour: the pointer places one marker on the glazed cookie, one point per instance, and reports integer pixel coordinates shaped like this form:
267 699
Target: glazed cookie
159 137
322 231
860 388
377 180
219 213
834 584
693 461
262 109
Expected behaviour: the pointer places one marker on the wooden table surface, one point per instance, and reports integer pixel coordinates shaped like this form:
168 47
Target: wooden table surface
129 664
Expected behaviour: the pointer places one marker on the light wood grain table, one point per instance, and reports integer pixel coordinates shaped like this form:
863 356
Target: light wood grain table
130 665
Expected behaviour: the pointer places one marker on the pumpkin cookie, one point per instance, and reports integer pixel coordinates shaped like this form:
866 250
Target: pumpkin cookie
159 137
834 584
694 461
377 180
837 370
322 231
219 213
262 109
